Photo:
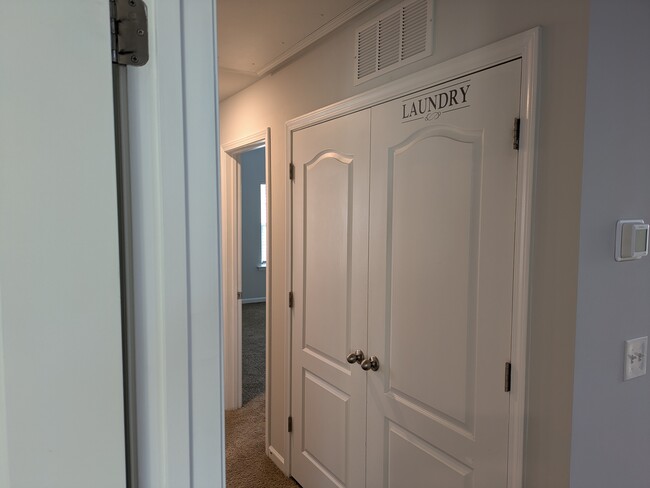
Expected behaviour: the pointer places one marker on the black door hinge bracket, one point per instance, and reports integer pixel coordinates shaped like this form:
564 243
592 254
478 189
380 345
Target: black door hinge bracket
129 32
508 377
516 133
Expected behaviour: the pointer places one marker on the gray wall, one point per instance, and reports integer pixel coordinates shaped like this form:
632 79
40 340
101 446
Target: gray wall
323 75
252 175
611 418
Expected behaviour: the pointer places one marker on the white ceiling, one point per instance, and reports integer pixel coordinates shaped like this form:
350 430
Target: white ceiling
256 36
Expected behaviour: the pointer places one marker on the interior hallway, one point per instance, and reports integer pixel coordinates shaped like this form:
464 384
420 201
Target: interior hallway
247 465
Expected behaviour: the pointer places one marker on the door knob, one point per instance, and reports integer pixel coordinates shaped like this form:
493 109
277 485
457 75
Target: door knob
356 356
370 363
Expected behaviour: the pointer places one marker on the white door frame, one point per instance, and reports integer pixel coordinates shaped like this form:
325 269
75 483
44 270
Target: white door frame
231 248
525 46
173 135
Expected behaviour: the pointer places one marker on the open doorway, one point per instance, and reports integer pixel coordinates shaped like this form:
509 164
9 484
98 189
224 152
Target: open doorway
247 267
252 270
246 242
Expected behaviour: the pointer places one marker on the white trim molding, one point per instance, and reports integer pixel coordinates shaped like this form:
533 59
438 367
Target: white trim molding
529 45
231 261
246 301
173 134
231 248
524 46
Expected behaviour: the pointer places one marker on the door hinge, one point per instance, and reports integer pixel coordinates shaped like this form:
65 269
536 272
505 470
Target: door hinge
239 295
290 299
129 33
290 424
515 133
292 171
508 377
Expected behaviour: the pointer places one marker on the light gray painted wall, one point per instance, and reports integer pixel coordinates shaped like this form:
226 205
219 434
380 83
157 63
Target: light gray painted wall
611 418
323 75
252 175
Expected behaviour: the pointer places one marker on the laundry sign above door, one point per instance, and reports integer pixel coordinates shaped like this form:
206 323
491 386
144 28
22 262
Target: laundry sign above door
434 103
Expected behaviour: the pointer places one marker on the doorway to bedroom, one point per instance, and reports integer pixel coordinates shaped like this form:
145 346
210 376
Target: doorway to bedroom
252 266
245 178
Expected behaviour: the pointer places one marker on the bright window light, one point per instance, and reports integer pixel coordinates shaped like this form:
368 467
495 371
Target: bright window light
263 224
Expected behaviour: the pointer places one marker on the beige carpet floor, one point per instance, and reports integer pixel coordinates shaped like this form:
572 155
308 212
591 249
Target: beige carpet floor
247 465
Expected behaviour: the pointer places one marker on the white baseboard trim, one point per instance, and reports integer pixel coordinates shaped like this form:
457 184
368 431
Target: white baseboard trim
253 300
277 459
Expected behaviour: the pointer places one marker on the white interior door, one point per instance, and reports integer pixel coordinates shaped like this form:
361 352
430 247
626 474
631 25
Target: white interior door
61 397
330 273
442 227
240 287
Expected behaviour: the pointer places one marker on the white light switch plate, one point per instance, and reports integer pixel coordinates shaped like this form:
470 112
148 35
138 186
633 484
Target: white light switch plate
635 357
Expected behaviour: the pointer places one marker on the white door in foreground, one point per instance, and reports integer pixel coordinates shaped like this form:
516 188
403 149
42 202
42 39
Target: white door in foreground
442 226
61 399
330 273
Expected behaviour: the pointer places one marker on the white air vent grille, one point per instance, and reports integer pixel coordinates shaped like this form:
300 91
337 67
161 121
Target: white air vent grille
414 28
388 41
367 51
397 37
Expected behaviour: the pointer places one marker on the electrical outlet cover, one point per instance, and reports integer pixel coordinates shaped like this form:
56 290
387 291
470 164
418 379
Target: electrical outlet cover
635 357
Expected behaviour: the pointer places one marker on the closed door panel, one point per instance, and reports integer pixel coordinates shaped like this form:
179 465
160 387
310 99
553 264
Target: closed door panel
442 214
432 258
61 391
330 273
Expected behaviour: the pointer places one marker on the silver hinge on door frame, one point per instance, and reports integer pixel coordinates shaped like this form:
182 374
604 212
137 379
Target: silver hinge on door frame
129 32
292 171
290 299
516 131
239 295
508 377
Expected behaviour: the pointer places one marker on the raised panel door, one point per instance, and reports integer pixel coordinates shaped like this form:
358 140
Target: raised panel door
442 227
329 319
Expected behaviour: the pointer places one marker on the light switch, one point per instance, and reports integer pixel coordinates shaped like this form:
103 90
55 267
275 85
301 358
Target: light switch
631 239
635 357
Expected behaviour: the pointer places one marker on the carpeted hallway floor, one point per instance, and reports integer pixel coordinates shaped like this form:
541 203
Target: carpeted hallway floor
247 465
253 350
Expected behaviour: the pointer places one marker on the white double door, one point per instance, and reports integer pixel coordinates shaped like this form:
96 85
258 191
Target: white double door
403 247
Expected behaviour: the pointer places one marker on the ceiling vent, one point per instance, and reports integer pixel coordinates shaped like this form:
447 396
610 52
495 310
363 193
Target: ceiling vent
397 37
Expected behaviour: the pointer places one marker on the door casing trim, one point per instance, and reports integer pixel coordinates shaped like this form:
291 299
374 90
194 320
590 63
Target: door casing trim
174 149
526 46
230 245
